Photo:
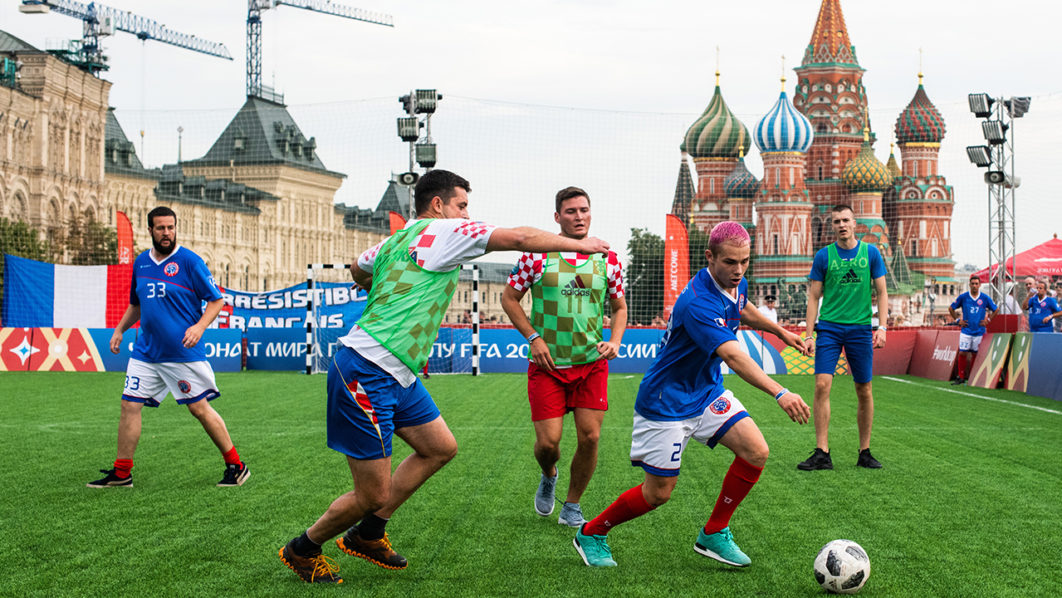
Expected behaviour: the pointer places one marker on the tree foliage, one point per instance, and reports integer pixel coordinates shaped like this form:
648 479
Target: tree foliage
645 276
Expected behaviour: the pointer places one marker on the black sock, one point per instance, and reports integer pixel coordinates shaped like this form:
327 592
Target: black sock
304 546
372 527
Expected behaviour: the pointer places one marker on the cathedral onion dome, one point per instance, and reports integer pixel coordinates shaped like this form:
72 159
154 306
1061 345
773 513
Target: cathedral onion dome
920 121
717 133
865 172
784 129
740 182
894 168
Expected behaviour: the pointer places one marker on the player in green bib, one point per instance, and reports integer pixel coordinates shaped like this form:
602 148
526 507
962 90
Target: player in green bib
568 368
373 390
845 275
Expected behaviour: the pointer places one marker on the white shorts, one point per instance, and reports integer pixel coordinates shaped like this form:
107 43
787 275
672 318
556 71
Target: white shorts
970 343
149 383
657 446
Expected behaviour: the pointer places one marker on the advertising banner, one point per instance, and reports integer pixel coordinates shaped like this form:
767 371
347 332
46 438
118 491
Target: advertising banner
1018 363
676 262
338 307
990 360
1045 368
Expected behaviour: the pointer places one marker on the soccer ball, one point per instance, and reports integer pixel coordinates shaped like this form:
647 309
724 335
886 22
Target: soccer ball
842 567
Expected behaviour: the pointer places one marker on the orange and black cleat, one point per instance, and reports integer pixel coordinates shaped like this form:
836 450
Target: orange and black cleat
378 552
311 569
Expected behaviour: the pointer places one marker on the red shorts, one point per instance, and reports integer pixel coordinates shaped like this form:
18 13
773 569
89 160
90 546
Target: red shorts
554 393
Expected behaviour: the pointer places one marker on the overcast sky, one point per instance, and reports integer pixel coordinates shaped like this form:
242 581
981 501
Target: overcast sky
593 93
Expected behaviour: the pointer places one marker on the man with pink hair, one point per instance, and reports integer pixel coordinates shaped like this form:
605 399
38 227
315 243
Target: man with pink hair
682 397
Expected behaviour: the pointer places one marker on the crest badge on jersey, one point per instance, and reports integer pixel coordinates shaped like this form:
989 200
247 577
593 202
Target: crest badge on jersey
171 269
721 322
980 301
720 406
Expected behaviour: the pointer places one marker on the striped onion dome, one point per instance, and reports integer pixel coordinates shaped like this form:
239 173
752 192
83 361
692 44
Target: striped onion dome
717 133
740 182
865 172
784 129
920 121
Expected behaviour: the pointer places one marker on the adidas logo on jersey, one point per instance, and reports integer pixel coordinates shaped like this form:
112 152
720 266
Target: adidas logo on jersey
576 288
850 278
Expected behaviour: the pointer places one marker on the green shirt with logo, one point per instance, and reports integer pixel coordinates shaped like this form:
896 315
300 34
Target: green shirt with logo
846 289
567 307
407 303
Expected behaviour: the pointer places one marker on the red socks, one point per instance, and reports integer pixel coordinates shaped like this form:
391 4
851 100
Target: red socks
122 467
739 480
962 365
629 505
231 457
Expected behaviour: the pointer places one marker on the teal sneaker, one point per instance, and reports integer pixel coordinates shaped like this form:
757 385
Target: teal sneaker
571 515
593 549
544 500
720 546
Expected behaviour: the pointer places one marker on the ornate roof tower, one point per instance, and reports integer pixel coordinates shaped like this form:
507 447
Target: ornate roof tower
920 121
866 178
741 189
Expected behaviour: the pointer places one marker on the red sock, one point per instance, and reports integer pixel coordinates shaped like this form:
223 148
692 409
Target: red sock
629 505
122 467
962 365
231 457
739 480
969 366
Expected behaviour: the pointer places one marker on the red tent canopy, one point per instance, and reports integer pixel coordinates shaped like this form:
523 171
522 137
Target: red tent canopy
1043 260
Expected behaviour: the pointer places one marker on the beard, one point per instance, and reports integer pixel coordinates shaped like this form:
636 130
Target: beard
162 249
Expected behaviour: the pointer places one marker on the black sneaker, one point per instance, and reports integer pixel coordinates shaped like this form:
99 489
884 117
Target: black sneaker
378 552
111 480
819 459
958 382
235 475
316 568
867 460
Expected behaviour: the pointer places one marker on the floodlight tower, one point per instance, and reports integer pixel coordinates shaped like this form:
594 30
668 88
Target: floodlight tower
422 152
254 33
998 157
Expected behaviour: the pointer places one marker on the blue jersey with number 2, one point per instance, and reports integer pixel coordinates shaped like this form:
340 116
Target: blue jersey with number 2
973 311
170 294
686 375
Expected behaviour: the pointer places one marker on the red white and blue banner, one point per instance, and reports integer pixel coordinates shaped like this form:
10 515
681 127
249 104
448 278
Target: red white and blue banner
42 295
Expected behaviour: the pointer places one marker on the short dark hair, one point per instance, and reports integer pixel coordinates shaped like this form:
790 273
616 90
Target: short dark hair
160 211
769 298
842 207
975 277
568 193
439 183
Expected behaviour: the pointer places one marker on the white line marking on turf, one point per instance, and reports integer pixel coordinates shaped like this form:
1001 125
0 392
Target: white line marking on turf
970 394
627 377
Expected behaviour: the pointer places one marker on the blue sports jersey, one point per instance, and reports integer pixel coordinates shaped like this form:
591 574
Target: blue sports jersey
1040 309
686 376
973 311
170 294
822 261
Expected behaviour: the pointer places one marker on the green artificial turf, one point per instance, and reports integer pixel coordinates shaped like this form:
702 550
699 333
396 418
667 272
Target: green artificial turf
969 502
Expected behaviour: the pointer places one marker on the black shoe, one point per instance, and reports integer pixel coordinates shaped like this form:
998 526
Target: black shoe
235 475
111 481
867 460
377 552
958 382
819 459
311 569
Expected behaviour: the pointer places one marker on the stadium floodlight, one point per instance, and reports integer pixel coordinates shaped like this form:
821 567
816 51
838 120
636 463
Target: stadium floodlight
425 154
408 128
408 179
426 100
980 104
1017 107
980 155
995 131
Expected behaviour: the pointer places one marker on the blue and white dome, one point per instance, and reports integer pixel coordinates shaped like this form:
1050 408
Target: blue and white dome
784 129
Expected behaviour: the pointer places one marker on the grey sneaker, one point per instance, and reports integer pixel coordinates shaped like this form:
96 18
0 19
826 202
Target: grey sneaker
571 515
544 501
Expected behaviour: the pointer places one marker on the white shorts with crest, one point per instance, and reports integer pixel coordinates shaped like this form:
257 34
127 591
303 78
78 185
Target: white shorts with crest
149 383
968 342
657 446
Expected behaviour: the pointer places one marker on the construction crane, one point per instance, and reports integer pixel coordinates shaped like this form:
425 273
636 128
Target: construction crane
254 33
100 21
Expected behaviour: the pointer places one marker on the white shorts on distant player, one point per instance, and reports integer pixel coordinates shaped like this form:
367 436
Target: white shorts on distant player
969 342
657 446
149 383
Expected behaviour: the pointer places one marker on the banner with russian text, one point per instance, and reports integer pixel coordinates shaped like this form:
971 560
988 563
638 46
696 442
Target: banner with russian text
676 262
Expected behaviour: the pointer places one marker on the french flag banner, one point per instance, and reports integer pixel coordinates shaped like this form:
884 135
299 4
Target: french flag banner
42 295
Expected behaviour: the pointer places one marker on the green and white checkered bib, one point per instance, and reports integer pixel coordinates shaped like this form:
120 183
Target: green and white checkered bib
567 305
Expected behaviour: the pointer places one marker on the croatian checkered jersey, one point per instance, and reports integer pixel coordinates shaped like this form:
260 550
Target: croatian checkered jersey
444 245
528 271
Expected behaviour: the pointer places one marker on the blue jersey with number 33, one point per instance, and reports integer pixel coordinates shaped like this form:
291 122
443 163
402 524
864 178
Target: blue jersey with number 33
170 294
